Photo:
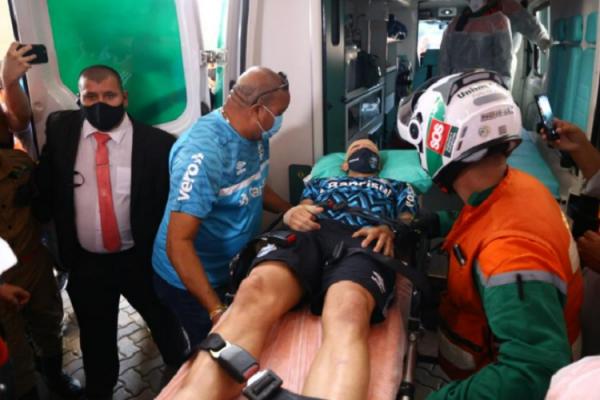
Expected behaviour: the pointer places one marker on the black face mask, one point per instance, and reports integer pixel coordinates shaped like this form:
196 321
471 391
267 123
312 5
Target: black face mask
364 161
102 116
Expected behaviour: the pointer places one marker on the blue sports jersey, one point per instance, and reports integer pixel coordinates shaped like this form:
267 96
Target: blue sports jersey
217 176
384 197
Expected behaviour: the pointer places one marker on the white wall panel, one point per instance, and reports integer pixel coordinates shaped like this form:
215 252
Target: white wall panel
285 35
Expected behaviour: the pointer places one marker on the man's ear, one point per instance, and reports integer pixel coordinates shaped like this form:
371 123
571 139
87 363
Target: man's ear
125 99
345 166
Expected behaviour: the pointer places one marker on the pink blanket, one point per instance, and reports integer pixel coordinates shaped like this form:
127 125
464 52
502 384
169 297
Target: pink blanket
294 341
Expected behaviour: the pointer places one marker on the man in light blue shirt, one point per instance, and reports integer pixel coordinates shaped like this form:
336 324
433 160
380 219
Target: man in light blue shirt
219 169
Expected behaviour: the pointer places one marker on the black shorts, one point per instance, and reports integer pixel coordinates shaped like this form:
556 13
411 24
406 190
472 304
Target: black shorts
308 257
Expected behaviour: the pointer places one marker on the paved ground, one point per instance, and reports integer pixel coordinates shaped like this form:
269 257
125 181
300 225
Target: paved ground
141 364
428 377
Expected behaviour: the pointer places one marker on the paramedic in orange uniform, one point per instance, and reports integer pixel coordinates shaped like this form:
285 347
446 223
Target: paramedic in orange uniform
510 316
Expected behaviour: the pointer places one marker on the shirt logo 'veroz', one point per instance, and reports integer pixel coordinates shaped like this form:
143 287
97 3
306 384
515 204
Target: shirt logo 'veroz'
187 182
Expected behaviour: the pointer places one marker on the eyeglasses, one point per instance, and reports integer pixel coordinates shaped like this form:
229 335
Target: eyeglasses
284 86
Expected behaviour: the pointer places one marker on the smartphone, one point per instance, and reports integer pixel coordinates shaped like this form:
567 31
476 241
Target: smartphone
583 210
543 105
40 51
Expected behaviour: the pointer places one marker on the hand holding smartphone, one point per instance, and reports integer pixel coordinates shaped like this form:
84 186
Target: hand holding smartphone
547 117
41 54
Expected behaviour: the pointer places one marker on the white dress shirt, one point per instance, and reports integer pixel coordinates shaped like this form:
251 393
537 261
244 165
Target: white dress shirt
87 210
592 186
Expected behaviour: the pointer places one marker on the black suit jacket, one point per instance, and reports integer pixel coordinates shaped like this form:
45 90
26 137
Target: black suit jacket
55 173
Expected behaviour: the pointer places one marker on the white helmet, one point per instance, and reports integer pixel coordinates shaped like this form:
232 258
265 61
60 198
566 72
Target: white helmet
456 119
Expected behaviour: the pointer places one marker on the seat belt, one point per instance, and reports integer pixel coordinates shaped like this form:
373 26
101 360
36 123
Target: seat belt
396 226
242 366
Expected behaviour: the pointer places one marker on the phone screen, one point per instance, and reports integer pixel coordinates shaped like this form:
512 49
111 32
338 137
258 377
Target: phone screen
40 52
547 116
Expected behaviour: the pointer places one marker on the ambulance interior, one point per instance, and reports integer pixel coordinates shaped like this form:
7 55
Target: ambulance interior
349 62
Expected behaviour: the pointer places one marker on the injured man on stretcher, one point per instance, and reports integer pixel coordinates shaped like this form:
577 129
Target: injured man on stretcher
350 289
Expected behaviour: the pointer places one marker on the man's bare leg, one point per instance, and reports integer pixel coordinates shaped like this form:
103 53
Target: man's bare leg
341 368
263 297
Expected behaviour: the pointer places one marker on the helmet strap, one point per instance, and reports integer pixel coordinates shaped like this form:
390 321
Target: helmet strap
446 177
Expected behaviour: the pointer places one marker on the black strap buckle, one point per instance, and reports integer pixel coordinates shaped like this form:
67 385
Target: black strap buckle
282 239
262 385
238 363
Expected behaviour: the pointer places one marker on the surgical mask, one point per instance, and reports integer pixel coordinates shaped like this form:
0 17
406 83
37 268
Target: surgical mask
476 5
277 122
275 128
103 116
364 160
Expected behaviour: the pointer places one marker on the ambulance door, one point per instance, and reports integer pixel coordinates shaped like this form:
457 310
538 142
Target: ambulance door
156 45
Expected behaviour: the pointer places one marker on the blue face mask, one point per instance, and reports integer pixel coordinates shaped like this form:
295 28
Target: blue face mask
276 125
278 121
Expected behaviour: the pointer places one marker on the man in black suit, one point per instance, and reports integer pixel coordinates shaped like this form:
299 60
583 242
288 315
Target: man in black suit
103 178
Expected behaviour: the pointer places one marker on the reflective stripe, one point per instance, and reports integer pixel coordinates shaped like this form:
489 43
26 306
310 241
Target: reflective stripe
458 357
526 276
245 183
574 256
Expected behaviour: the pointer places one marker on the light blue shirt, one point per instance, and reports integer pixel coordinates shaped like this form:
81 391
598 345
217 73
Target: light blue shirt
217 176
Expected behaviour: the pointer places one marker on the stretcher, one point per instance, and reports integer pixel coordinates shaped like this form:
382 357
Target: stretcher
294 341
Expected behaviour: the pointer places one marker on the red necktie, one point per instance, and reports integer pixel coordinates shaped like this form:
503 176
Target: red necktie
108 220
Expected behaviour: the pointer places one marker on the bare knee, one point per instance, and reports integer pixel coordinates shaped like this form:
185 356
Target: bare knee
347 311
254 291
271 287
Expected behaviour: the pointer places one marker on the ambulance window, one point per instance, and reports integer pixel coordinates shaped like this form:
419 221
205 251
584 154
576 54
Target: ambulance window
140 39
213 20
430 34
541 58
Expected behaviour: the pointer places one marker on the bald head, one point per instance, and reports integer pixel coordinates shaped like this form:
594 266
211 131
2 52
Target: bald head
259 84
257 99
